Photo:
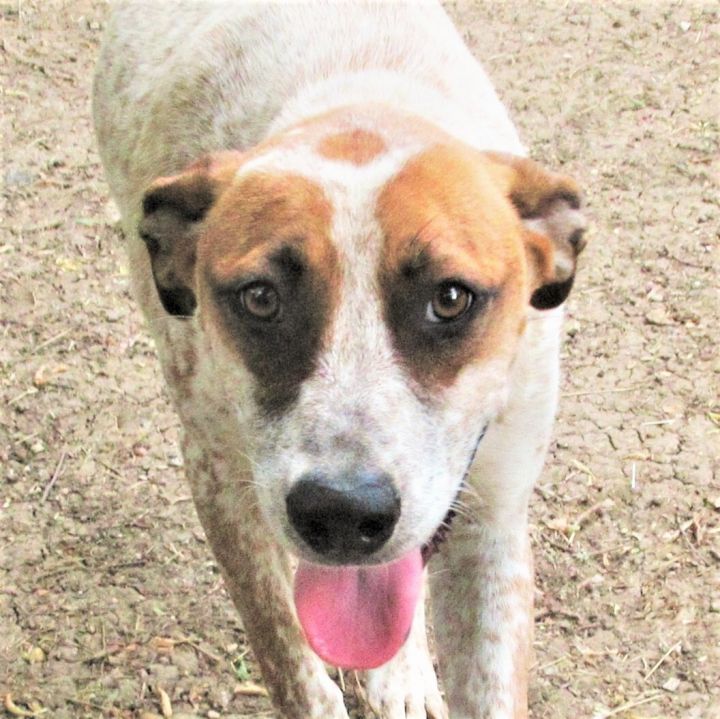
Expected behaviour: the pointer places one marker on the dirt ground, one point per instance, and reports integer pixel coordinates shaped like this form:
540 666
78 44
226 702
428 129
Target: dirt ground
110 602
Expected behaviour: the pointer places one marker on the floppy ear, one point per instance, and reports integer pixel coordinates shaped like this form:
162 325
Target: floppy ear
173 212
549 206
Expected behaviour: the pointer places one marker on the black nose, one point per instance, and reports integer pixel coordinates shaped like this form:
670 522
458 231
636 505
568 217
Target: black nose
347 518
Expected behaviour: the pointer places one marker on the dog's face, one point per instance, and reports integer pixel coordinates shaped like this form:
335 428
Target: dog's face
362 294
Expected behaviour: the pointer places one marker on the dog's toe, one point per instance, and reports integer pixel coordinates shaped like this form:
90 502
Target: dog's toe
406 687
425 705
398 697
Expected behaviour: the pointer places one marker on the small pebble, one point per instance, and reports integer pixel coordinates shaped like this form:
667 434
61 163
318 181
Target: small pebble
17 177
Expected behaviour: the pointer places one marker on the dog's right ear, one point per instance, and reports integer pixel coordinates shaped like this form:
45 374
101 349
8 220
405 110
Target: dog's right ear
550 209
173 212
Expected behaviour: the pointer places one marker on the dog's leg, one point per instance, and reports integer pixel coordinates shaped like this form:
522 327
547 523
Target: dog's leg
406 687
482 600
257 575
481 580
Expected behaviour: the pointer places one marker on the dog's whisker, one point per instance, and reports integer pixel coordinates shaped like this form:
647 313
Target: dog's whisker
251 483
461 503
437 572
473 493
165 317
461 512
252 462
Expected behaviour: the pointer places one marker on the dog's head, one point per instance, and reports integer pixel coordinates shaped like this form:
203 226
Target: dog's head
364 292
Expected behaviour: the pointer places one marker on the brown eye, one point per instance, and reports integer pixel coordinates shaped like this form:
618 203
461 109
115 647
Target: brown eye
449 302
261 300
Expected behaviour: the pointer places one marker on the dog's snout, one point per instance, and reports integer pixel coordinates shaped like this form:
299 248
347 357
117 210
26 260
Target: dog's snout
345 519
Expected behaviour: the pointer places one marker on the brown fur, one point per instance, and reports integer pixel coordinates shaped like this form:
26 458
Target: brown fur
355 146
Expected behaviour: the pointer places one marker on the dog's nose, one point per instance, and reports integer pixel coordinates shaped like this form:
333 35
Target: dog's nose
346 519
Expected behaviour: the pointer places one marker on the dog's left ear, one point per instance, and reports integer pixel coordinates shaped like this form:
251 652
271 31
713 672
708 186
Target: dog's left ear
549 207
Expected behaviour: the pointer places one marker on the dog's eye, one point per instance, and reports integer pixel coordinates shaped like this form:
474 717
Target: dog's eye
261 300
450 302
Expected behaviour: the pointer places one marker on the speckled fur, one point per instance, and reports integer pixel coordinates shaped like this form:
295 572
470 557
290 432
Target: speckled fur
178 80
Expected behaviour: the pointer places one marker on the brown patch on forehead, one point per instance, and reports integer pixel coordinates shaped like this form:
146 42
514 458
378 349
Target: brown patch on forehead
344 133
272 229
445 217
355 146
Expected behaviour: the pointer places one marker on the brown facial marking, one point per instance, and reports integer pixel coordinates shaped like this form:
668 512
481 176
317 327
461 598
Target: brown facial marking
355 146
273 230
444 218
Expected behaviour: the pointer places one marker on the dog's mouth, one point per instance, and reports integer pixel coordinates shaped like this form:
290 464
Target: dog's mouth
441 534
358 617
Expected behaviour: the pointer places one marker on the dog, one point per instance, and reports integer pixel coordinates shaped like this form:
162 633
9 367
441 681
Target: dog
355 280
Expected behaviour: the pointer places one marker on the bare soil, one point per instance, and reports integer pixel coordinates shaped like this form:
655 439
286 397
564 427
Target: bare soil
108 593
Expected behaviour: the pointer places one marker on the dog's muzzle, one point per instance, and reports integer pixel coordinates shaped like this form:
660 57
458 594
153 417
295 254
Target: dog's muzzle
356 615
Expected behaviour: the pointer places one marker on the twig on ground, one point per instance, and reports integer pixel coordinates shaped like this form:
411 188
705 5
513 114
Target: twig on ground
614 390
186 640
627 705
32 229
50 341
29 391
659 662
54 478
108 467
583 468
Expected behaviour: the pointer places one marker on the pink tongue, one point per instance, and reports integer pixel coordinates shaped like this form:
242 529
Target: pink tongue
358 617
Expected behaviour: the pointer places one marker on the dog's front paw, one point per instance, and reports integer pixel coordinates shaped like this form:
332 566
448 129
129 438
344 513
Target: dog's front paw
406 687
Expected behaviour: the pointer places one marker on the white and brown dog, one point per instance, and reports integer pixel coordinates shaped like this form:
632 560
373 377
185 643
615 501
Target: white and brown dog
354 279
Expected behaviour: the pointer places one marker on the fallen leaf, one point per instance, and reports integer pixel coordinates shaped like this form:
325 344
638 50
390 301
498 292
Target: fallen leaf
165 705
250 689
67 264
45 374
17 711
34 656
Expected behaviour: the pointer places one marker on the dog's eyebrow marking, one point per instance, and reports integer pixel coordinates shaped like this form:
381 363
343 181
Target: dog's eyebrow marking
418 258
358 147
